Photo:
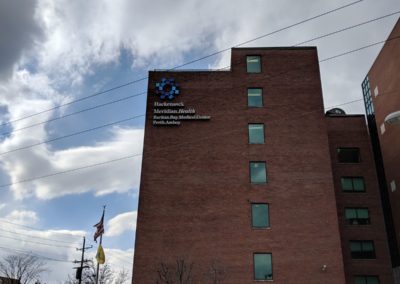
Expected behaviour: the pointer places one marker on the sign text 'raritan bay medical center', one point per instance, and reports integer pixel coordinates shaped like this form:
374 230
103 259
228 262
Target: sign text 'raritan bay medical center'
167 113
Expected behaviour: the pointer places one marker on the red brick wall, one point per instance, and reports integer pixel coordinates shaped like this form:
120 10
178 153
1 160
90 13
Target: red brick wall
195 193
384 74
351 131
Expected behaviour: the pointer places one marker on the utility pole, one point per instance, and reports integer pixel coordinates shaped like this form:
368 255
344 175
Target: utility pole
82 261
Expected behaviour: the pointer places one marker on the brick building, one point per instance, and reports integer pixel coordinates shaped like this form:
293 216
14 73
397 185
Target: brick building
358 203
381 90
245 179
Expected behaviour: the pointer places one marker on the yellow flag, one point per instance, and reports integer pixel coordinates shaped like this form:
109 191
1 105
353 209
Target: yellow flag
100 256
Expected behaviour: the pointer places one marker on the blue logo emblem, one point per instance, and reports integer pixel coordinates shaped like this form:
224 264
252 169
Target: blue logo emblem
167 89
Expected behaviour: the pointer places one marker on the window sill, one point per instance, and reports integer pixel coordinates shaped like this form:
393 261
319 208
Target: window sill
260 229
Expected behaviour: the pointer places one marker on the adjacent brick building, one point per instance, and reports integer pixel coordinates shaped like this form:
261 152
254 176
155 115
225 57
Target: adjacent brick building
242 180
381 90
358 204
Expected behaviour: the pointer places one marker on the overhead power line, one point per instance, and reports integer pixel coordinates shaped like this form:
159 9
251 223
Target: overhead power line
358 100
3 187
346 103
70 170
74 113
116 160
268 34
226 67
2 220
72 134
34 242
33 253
142 115
187 63
348 28
136 155
35 237
358 49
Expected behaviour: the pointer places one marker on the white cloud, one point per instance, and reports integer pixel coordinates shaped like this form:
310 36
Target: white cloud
2 205
121 176
121 223
23 217
24 95
120 259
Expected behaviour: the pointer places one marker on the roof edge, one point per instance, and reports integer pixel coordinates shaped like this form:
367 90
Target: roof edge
276 47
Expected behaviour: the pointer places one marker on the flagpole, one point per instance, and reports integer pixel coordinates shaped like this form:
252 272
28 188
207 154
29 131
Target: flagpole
101 240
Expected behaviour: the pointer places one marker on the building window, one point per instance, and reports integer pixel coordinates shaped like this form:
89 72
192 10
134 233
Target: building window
262 266
366 279
362 249
253 63
254 97
260 215
348 155
352 184
256 133
357 216
258 172
369 106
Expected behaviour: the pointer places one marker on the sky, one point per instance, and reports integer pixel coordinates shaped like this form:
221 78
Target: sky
55 53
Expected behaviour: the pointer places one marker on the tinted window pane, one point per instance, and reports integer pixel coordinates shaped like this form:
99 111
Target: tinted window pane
355 246
362 213
357 216
367 246
372 280
352 184
358 184
350 213
258 173
348 155
366 280
360 280
253 64
262 266
256 133
254 97
347 184
362 249
260 218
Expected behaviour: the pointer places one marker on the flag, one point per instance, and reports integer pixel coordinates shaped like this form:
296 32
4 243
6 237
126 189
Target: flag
99 228
100 256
